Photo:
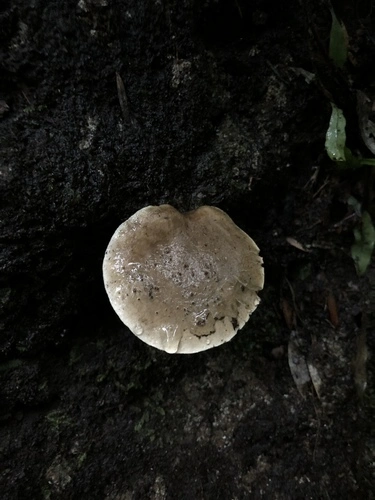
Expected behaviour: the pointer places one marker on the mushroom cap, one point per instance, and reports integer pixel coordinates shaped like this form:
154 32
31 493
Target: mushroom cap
182 283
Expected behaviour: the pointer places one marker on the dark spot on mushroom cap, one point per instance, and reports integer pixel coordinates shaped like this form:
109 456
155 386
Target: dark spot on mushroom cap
234 323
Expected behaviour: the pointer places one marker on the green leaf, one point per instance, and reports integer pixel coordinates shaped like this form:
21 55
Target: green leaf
367 161
355 204
336 136
351 160
363 247
336 143
338 42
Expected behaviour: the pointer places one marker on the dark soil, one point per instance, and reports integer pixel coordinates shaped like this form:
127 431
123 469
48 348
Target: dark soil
217 102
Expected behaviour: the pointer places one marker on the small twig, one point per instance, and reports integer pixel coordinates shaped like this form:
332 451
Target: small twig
238 8
345 219
122 98
25 96
327 181
273 68
294 300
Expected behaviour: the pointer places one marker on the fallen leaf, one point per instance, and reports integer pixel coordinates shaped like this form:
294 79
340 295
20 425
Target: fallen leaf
315 378
296 244
332 310
338 42
297 364
289 314
363 247
365 110
359 364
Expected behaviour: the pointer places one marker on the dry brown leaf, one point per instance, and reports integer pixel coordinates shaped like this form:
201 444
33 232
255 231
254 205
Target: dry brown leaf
289 314
296 244
315 378
332 310
360 364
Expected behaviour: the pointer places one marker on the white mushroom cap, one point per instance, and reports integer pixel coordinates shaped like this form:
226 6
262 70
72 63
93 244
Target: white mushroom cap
183 283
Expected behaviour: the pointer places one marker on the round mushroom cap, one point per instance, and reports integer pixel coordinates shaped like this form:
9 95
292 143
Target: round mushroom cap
182 283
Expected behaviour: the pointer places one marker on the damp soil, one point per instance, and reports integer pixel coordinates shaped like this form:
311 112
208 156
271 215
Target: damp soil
107 107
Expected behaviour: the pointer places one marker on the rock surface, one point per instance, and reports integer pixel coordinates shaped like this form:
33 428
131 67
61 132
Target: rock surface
107 107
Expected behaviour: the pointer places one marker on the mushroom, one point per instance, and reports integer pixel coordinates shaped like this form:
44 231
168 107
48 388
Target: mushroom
182 283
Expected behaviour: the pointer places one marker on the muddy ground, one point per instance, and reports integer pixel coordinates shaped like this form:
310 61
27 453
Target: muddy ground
109 106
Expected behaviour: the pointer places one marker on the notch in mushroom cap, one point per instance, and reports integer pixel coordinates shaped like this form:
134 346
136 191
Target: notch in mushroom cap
182 283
